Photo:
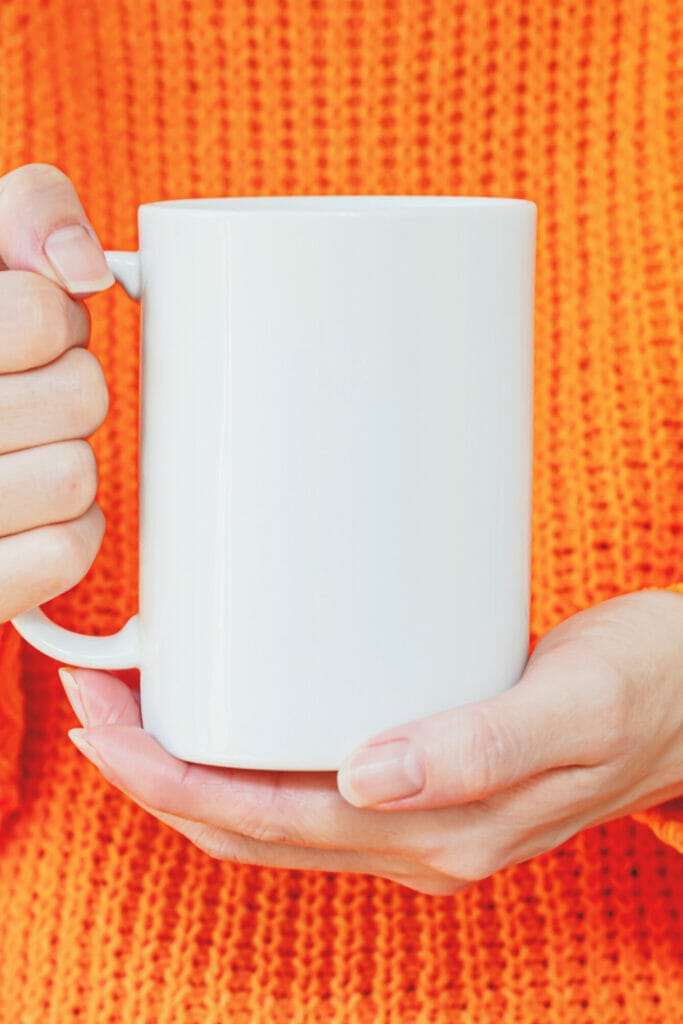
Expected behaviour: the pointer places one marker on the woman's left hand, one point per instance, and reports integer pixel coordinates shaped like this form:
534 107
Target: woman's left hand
592 731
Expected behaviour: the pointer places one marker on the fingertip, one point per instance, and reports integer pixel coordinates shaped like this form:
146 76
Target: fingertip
132 760
90 288
81 739
345 787
72 691
76 256
382 773
105 700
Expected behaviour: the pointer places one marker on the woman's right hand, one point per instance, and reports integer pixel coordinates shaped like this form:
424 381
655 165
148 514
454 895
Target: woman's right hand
53 393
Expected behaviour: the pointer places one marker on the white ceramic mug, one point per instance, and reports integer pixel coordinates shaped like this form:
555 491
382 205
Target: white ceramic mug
335 470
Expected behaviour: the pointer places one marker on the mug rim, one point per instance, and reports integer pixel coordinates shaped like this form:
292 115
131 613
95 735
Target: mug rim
331 204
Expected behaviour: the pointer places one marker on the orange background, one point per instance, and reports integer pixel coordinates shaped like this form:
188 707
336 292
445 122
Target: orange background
105 914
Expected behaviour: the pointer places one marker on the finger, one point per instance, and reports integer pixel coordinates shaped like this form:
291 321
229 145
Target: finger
67 399
302 808
99 698
230 846
43 227
52 483
466 753
470 845
281 807
465 844
39 564
38 321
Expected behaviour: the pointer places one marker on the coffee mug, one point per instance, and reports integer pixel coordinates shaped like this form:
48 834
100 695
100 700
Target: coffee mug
335 470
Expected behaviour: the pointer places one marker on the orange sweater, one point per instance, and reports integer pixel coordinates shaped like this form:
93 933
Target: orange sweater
105 914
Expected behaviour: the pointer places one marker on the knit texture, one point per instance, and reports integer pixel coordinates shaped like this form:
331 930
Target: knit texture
108 916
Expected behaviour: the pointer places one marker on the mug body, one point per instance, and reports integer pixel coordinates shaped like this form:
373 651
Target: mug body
335 477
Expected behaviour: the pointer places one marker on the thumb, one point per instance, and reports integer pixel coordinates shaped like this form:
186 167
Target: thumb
43 227
473 751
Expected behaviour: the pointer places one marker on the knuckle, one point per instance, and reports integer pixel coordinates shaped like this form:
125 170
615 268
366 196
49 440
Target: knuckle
77 477
611 713
272 819
69 554
214 843
483 748
437 886
466 862
423 845
260 830
31 177
604 687
266 822
276 836
222 845
51 320
256 822
42 175
86 390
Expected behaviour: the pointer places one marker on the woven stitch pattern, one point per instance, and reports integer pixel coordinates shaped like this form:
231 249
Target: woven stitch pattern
106 915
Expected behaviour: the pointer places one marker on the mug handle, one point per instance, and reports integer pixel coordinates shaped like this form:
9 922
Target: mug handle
119 650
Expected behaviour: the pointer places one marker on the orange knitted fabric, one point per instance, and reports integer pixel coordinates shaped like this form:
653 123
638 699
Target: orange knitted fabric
106 915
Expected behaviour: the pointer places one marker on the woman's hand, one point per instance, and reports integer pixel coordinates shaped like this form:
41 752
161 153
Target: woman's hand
592 731
52 390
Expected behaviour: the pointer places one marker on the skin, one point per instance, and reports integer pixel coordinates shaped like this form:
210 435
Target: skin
592 731
53 396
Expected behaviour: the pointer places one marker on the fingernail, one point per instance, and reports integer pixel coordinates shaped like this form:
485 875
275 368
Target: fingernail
388 771
86 748
73 692
78 259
